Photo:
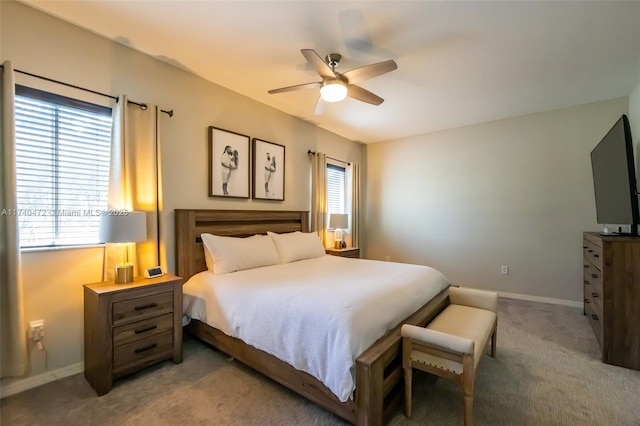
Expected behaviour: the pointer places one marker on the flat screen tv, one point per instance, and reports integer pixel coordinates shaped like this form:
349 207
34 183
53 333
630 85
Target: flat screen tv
614 178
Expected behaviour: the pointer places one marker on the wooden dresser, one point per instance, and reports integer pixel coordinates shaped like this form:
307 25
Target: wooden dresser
612 296
128 327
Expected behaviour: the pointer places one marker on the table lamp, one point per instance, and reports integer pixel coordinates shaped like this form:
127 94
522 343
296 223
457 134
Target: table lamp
123 229
339 221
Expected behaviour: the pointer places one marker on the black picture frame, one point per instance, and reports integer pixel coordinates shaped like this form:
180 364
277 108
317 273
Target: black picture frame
268 170
229 165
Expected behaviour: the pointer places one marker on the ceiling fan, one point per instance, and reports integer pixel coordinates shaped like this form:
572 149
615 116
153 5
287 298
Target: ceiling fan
335 86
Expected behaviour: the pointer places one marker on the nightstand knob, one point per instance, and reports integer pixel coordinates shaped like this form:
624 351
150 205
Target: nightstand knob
147 306
146 348
142 330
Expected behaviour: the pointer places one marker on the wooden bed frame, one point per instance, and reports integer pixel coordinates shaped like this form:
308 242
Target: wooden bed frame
379 377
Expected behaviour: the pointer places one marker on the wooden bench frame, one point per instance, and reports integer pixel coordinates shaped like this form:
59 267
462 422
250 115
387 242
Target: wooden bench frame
466 378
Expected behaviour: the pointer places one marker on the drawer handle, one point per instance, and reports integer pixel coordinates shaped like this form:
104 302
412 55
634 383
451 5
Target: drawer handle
142 330
595 295
594 316
590 251
587 301
146 348
147 306
586 266
596 255
586 282
594 275
584 247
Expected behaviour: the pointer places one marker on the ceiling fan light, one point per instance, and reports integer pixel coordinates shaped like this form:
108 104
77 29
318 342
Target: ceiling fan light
333 91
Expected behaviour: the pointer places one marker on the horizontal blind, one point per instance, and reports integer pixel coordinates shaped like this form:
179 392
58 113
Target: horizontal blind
62 171
336 189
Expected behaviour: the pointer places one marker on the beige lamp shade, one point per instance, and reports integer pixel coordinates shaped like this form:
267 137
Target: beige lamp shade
338 221
128 227
123 228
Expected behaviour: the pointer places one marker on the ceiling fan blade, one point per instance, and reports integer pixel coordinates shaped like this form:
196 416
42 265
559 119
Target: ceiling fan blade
369 71
319 106
357 92
296 87
318 63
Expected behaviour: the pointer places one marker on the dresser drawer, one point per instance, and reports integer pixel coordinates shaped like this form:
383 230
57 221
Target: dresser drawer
594 313
592 252
142 329
142 307
592 281
144 350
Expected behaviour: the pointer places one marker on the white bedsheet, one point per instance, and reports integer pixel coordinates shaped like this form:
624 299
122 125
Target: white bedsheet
318 314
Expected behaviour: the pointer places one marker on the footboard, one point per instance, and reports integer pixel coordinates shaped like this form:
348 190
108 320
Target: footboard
379 378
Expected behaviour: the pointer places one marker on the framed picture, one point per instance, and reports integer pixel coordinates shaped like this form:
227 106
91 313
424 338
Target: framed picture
268 170
228 164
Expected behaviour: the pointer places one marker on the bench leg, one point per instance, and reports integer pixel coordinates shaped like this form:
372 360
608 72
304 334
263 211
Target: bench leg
494 336
408 373
467 387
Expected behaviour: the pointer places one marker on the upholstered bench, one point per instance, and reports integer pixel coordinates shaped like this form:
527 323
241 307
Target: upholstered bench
452 344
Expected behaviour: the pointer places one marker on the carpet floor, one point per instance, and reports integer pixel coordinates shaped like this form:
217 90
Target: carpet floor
547 372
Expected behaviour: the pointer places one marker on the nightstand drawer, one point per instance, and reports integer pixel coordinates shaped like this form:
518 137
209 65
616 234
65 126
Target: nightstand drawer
143 350
142 307
142 329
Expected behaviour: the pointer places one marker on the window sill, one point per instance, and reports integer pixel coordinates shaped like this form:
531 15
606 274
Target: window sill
58 248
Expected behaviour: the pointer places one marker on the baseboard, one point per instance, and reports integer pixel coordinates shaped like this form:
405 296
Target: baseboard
563 302
22 385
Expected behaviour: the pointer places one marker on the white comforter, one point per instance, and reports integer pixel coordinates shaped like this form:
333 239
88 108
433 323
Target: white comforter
318 315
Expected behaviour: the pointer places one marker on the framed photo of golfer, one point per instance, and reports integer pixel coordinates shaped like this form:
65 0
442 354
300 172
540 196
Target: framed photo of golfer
228 164
268 170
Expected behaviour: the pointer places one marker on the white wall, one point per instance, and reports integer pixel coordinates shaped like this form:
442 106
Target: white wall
634 118
514 192
44 45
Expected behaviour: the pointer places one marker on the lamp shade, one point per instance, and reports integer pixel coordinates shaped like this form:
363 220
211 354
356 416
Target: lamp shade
128 227
333 90
338 221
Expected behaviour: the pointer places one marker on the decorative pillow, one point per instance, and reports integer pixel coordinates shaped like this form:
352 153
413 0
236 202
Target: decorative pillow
297 246
229 254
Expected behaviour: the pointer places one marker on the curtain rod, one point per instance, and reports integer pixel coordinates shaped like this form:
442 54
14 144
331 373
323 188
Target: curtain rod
309 152
142 106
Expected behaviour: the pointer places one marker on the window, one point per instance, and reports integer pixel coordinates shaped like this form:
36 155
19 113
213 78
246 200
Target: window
336 189
62 168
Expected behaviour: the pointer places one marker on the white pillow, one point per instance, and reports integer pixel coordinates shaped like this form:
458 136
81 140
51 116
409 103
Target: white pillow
229 254
297 246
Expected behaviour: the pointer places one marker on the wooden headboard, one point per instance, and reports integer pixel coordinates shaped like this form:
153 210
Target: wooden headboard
190 224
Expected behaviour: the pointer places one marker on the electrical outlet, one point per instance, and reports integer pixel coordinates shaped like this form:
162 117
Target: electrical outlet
36 330
504 270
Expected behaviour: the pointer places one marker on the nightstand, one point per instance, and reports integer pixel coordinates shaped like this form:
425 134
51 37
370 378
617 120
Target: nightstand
128 327
353 252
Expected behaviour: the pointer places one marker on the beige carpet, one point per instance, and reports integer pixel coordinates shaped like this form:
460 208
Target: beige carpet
547 373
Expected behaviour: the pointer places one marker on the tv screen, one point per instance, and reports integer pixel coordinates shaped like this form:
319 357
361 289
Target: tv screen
614 177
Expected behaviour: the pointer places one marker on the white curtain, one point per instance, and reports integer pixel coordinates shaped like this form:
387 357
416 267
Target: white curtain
133 179
354 169
319 195
13 333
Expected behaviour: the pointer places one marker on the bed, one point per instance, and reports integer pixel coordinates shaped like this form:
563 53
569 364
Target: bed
378 370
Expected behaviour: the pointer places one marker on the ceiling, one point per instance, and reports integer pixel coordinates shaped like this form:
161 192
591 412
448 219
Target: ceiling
459 63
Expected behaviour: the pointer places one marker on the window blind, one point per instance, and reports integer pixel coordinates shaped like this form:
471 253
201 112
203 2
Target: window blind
336 189
62 169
